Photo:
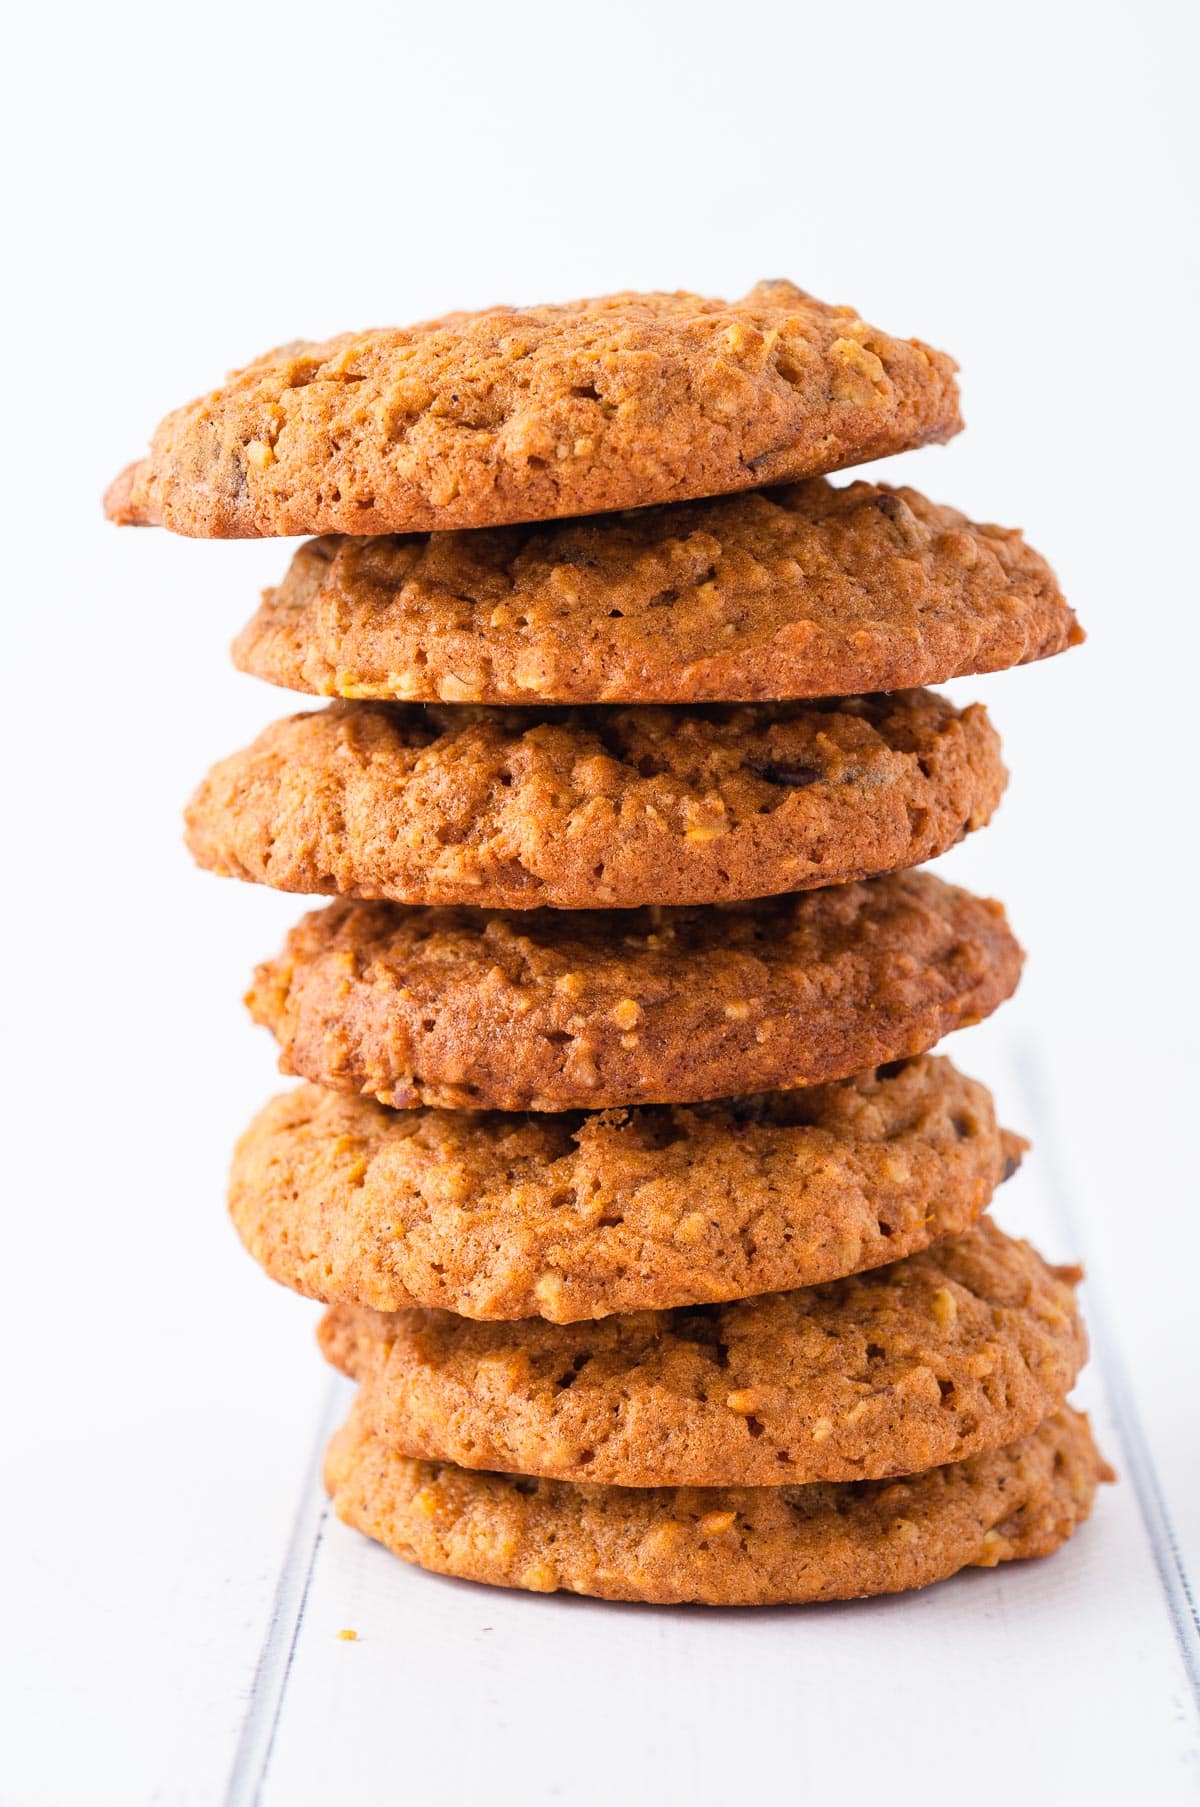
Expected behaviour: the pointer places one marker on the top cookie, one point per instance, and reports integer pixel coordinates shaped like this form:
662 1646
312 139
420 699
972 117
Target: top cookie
806 591
527 414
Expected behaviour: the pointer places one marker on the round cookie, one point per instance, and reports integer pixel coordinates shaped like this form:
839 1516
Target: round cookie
550 1010
573 1216
738 1546
959 1349
526 808
522 414
806 591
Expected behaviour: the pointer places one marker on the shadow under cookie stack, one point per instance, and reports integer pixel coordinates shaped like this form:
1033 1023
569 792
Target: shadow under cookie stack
651 1231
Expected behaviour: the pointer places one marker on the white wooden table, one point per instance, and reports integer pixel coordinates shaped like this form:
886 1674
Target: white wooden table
205 1665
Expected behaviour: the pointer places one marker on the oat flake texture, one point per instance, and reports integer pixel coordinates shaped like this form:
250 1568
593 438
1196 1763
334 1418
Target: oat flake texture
570 1215
526 414
567 1010
805 591
953 1351
523 808
736 1546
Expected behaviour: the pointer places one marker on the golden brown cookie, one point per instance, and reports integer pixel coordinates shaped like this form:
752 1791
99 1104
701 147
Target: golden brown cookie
522 414
549 1010
801 592
517 809
737 1546
574 1216
953 1351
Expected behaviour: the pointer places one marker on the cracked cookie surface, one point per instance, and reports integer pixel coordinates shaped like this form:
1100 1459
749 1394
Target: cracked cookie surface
585 1010
525 414
956 1350
737 1546
522 808
572 1216
806 591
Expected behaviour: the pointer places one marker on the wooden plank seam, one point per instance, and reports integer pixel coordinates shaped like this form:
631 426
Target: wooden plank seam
256 1738
1135 1461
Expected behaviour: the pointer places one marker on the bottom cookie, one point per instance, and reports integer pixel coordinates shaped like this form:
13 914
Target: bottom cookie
729 1546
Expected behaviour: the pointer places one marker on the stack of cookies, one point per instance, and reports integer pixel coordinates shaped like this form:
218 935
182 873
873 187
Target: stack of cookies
653 1234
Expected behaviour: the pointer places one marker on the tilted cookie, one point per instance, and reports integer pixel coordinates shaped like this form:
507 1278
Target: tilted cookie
569 1216
522 414
737 1546
553 1010
805 591
961 1348
521 808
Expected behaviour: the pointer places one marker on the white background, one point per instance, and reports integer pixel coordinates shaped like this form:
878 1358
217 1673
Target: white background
190 185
